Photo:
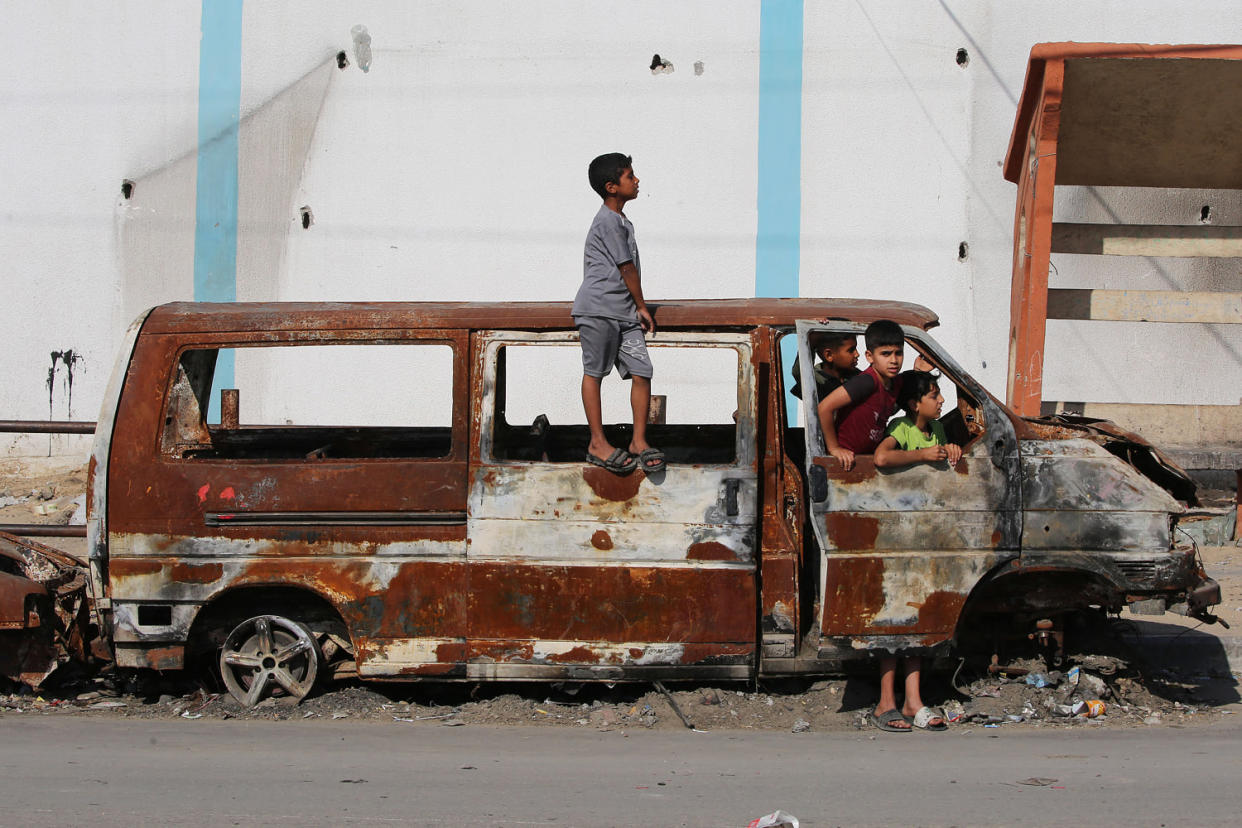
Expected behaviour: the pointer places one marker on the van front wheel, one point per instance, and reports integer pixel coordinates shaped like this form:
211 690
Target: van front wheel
269 655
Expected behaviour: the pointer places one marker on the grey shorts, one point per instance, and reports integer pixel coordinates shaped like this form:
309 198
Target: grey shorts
609 342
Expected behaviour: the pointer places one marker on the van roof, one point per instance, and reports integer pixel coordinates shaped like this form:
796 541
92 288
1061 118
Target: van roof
223 317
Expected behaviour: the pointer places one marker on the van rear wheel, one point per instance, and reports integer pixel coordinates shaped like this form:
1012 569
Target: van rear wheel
269 655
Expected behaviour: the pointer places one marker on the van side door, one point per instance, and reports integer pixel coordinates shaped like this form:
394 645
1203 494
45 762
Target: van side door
577 572
901 548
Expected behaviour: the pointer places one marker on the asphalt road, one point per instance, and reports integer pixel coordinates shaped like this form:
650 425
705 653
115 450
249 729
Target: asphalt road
103 772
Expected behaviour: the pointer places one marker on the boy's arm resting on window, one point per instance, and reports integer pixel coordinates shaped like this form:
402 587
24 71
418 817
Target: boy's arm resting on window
634 284
827 411
888 454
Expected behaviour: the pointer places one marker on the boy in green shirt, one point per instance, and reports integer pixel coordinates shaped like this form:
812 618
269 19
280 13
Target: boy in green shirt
916 438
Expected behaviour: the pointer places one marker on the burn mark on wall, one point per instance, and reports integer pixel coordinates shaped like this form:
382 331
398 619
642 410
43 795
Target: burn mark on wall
68 361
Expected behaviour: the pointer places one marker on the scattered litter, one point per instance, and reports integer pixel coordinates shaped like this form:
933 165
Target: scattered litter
402 719
776 819
188 715
107 705
801 726
453 723
1037 781
340 715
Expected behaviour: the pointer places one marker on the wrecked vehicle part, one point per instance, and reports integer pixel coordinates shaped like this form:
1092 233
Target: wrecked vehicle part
44 610
1128 446
269 656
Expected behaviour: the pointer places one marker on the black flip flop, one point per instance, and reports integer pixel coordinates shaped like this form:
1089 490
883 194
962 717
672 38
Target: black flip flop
885 720
651 454
619 462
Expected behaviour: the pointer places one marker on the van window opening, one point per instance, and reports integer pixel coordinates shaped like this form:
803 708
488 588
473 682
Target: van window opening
540 418
318 401
962 416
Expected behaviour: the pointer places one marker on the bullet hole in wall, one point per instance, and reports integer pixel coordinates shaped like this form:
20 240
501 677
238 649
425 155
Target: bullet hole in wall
127 189
342 60
1205 215
660 66
963 58
963 252
308 218
698 68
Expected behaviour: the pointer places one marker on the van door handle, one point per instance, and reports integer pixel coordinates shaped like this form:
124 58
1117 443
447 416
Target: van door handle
731 489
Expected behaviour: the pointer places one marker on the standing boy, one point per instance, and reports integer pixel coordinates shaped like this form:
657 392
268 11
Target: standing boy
612 317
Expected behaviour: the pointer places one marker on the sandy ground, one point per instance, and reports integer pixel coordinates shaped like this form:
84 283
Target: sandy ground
1136 689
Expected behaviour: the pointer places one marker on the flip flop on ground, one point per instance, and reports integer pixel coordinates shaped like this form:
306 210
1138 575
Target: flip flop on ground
885 721
652 460
929 718
619 462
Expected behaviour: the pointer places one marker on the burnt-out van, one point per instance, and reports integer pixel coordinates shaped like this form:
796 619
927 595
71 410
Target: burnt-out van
398 491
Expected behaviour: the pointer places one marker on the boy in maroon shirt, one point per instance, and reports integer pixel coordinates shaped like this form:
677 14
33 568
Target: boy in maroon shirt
854 415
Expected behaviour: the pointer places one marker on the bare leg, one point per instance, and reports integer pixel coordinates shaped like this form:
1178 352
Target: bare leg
640 405
914 699
600 447
888 696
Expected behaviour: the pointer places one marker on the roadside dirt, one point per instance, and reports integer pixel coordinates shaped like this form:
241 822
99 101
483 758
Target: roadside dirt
1134 693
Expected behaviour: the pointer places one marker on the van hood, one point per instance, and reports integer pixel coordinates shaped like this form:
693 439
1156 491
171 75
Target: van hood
1148 460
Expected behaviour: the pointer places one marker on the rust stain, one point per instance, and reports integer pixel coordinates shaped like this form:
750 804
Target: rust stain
962 467
854 593
710 551
610 604
578 655
609 486
601 540
851 531
188 573
132 567
996 538
165 658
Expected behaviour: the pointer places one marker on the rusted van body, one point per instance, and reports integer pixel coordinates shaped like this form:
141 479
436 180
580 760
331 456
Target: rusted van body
481 546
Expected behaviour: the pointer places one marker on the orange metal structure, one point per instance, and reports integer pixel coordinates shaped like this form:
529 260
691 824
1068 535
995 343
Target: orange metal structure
1109 114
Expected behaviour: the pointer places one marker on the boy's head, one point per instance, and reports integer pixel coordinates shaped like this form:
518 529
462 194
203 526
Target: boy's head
839 351
610 168
885 347
920 394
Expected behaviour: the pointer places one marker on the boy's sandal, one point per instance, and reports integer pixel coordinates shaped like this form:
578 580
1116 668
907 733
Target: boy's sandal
884 721
923 719
646 457
619 462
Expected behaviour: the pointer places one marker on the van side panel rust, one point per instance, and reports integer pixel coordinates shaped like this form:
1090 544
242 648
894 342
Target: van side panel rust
381 540
576 571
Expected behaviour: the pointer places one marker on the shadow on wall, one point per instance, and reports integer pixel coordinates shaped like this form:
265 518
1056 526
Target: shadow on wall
155 214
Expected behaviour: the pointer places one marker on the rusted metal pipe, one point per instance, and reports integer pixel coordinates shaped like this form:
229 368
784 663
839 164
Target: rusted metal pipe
230 408
43 530
47 426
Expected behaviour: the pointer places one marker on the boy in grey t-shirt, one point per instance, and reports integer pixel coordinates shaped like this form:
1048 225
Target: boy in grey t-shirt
612 316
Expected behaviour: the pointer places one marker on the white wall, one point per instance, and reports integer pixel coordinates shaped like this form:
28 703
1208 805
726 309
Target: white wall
455 169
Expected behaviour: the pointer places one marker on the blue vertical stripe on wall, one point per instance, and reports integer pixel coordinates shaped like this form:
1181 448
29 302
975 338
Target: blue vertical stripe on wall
780 148
215 215
779 226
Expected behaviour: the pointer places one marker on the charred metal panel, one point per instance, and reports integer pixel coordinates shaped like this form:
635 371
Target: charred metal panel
1078 496
902 548
567 552
399 602
702 604
374 538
